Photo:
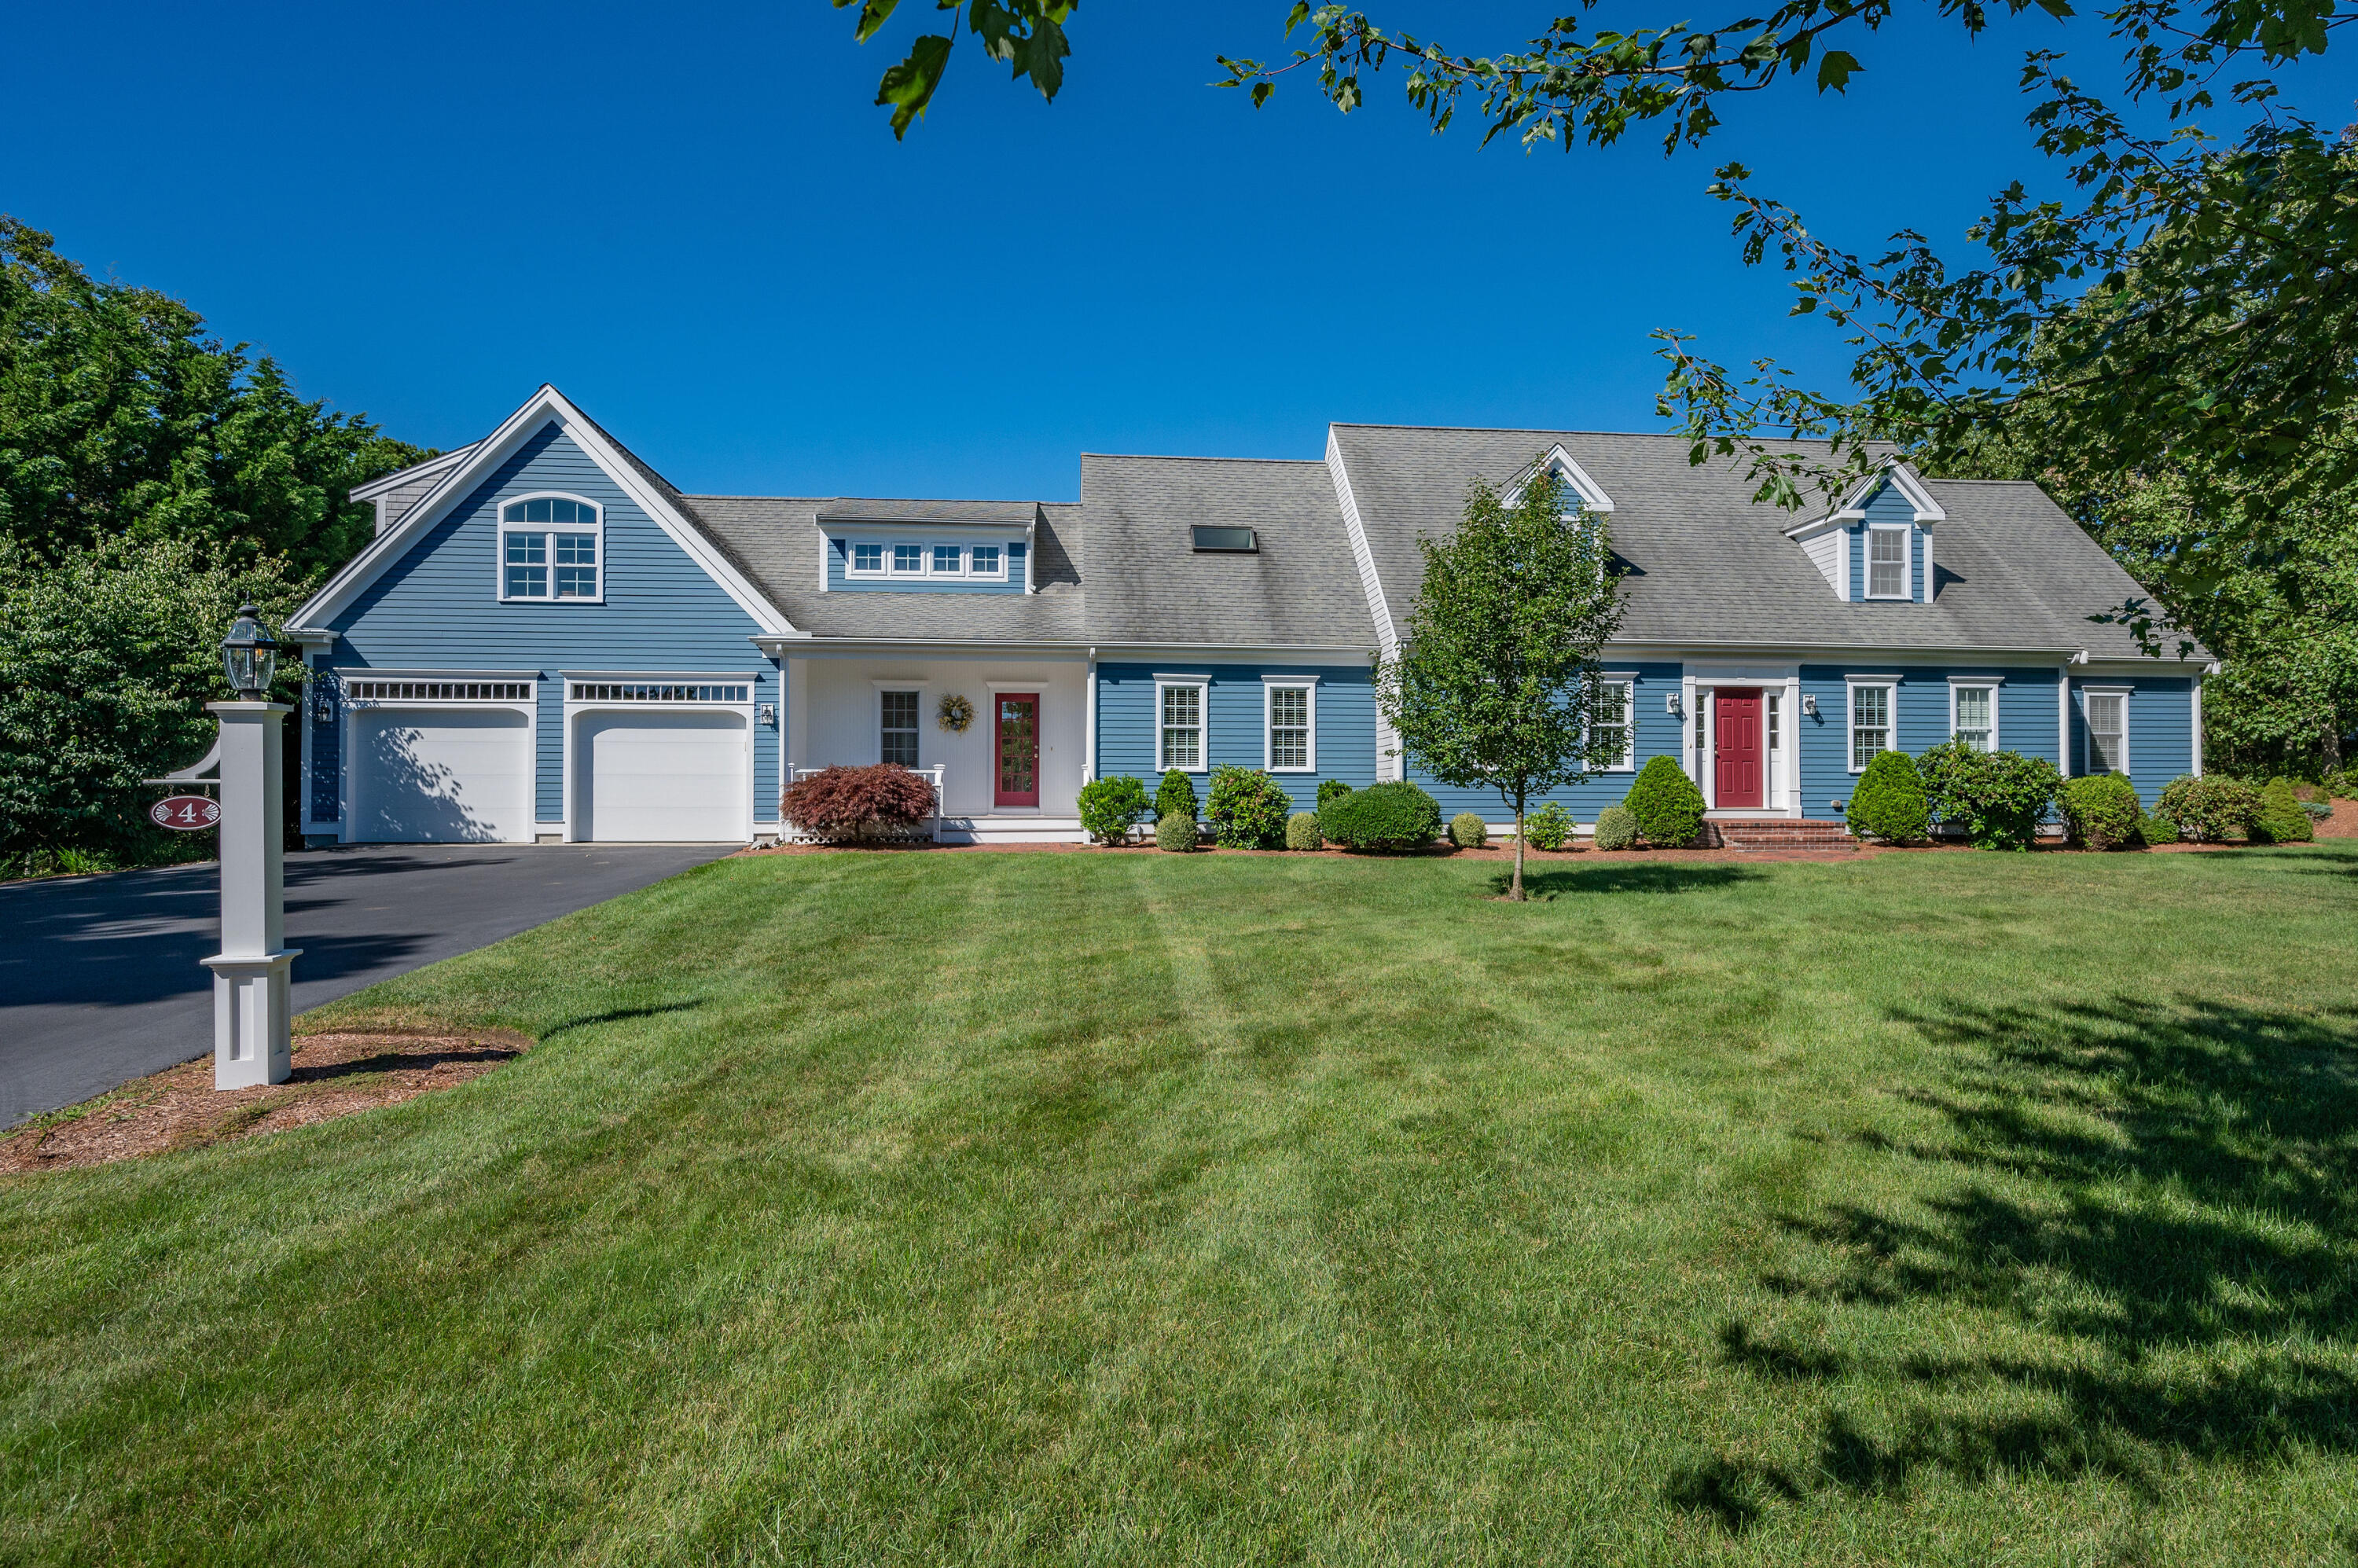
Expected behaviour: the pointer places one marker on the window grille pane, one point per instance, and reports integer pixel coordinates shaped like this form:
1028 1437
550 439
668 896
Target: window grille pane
1182 719
1886 563
1775 713
527 582
527 549
1974 717
986 560
946 559
1289 727
576 549
2105 716
868 557
908 557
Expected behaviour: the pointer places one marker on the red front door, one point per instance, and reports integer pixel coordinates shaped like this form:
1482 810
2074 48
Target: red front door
1016 759
1739 762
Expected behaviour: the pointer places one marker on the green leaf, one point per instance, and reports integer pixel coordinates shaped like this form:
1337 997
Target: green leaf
872 16
909 86
1835 69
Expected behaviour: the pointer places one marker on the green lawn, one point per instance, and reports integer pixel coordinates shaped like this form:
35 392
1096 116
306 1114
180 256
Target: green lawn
1132 1208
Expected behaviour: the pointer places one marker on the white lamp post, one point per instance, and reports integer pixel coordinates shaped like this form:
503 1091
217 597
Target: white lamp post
251 971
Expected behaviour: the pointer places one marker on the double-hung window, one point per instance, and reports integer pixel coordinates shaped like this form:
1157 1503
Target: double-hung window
897 740
1610 733
1870 723
551 548
1974 716
1290 707
1180 724
1886 563
2108 731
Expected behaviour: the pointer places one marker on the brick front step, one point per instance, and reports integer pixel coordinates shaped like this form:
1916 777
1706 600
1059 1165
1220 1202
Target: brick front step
1788 834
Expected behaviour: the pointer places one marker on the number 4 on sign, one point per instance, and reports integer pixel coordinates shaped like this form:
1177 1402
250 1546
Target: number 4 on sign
185 812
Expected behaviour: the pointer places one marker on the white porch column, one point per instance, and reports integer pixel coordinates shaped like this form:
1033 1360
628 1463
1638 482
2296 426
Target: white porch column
251 971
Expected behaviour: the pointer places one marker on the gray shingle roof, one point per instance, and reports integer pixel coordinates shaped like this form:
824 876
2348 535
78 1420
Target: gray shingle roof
856 509
1713 566
1146 583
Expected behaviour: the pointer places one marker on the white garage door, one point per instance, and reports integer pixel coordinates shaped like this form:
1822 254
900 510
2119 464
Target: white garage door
428 777
660 778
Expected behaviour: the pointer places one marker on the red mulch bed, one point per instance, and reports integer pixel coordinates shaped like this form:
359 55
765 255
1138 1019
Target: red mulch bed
333 1075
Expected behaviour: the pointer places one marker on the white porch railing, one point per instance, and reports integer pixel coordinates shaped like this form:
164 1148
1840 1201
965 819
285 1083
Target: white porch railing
932 775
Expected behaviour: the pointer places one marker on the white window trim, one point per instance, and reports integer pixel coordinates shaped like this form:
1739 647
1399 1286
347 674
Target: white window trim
852 567
547 530
1628 681
967 559
1990 684
915 688
1851 685
965 571
1907 560
1202 686
2088 729
1308 685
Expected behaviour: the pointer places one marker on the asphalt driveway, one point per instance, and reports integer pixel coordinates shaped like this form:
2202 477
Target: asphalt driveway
99 977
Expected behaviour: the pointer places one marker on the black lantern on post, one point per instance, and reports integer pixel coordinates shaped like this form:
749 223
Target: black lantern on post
250 656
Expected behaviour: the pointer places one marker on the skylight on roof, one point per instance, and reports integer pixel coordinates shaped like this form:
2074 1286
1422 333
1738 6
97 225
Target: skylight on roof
1224 541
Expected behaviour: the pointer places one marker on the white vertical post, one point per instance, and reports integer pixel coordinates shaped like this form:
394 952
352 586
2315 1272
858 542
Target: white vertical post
250 972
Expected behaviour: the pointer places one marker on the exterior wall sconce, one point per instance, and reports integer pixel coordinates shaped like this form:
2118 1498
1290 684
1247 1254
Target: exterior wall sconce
1670 704
1809 703
769 716
323 698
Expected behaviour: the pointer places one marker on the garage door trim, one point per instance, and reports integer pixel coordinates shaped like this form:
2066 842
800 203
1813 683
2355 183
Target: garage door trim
356 708
577 709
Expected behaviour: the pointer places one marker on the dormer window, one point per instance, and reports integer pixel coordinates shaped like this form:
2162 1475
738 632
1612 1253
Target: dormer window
552 547
1886 563
876 559
908 560
986 559
868 557
1224 541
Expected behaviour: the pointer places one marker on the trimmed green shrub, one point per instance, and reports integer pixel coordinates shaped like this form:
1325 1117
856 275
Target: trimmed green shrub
1998 798
1468 831
1247 809
1887 801
2102 812
2281 818
1331 789
1668 806
2209 810
1549 828
1616 829
2155 828
1394 815
1175 831
1175 796
1111 808
1302 831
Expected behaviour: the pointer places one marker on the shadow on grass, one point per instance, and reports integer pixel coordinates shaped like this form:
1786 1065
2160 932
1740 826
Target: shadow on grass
618 1016
2158 1201
1624 876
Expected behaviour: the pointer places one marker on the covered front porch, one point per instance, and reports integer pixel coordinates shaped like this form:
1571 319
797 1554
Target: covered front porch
1010 773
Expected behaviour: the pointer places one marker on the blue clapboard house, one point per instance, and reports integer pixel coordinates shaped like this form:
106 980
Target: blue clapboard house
548 642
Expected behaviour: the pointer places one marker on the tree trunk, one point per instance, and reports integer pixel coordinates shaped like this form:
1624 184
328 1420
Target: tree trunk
2332 738
1516 892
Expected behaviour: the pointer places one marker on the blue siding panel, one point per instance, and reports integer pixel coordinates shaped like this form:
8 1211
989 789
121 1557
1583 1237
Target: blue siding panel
839 580
1656 734
1343 742
438 608
2161 728
327 738
2026 720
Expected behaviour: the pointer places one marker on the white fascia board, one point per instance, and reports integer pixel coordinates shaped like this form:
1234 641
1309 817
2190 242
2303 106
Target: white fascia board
1363 556
1592 494
1910 483
542 407
411 474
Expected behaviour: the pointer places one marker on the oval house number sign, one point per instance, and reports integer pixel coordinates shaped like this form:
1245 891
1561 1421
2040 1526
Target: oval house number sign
185 812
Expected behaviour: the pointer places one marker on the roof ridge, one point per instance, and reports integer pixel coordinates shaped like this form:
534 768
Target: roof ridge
1185 457
1551 430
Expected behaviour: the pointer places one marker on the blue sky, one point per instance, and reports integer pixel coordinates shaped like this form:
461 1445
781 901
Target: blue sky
692 220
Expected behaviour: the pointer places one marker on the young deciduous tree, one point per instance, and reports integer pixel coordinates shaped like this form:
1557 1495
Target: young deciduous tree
1496 681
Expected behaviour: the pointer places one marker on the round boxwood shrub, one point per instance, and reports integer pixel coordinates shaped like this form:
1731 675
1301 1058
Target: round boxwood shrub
2281 818
2209 810
1175 796
1331 789
2153 828
1175 832
1247 809
1302 831
1616 829
1668 806
1998 798
1468 831
1888 803
2102 812
1394 815
1111 808
1549 828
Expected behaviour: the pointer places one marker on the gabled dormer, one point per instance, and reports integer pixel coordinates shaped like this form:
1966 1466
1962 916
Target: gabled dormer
1877 545
928 546
1587 492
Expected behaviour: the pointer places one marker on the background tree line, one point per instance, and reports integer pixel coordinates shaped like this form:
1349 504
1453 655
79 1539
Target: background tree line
151 478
